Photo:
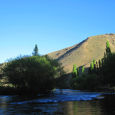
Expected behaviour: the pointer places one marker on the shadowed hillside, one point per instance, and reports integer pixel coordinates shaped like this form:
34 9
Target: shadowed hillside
83 53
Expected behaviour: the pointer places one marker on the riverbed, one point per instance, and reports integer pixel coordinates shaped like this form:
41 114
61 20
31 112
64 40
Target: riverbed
65 102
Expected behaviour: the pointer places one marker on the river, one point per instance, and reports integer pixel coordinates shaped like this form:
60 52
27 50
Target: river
67 102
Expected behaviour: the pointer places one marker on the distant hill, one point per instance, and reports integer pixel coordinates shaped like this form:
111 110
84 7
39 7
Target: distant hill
82 54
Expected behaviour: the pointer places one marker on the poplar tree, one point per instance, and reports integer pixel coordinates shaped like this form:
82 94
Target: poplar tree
94 65
109 70
77 71
83 71
108 50
89 70
74 73
99 67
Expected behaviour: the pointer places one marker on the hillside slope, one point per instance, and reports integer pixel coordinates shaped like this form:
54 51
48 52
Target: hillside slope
83 53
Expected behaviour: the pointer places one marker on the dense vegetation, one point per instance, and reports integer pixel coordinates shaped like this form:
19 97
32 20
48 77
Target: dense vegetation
100 73
34 74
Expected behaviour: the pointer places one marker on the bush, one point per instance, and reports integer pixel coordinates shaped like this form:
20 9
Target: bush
37 73
76 82
89 82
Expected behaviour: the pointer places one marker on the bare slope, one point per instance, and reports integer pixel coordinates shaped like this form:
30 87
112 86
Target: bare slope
83 53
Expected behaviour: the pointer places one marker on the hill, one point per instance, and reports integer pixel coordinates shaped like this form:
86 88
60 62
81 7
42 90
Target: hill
82 54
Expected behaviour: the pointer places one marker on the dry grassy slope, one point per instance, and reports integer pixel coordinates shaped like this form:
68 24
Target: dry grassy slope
83 53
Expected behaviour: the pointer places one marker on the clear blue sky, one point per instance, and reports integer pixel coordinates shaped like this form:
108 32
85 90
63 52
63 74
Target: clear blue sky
51 24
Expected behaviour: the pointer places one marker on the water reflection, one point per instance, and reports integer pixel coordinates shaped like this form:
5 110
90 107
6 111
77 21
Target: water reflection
70 102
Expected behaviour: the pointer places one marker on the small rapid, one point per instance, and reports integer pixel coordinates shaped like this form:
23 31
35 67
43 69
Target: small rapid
64 95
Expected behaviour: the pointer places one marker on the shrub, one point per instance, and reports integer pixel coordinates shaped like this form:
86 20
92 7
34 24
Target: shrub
76 82
91 81
36 73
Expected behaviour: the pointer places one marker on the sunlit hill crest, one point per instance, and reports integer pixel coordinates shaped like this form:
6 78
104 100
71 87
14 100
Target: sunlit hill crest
82 54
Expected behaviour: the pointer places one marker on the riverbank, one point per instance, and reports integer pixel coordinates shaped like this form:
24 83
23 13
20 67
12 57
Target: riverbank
7 90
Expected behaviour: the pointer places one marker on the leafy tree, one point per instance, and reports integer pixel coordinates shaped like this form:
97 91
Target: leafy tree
74 67
92 67
36 73
60 82
74 73
99 67
94 64
35 52
77 71
76 82
108 50
89 70
83 71
90 82
109 69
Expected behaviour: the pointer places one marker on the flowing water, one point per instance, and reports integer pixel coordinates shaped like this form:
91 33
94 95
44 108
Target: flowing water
67 102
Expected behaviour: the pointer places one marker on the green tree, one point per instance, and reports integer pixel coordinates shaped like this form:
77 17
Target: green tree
36 73
78 71
90 82
109 69
74 73
99 67
83 71
108 50
35 52
92 67
76 83
94 64
89 70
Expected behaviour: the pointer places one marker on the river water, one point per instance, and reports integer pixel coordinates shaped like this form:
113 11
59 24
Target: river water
67 102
